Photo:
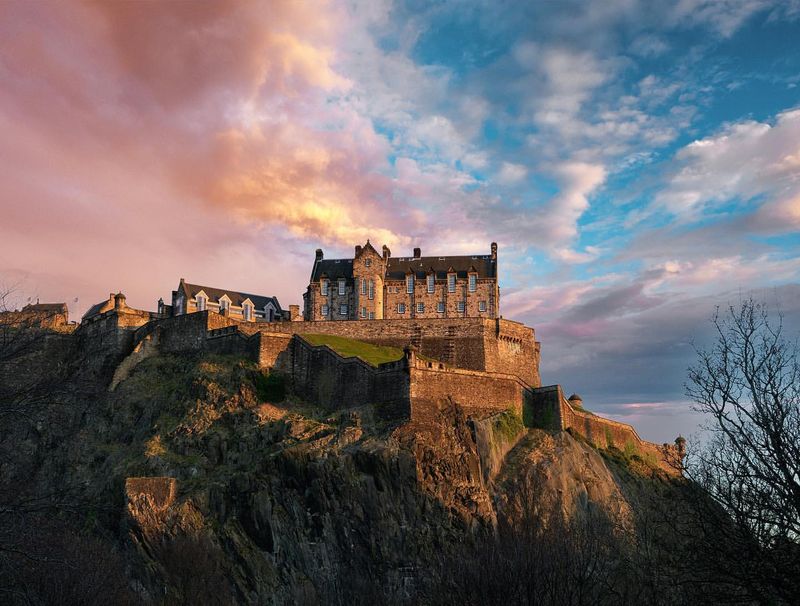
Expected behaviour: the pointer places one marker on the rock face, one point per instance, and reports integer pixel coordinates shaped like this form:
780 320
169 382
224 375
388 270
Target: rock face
286 504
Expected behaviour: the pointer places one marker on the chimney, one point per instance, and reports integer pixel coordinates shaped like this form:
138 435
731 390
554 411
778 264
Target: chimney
119 301
358 249
386 252
494 250
417 253
319 255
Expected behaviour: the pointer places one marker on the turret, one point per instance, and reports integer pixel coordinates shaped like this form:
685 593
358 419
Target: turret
119 301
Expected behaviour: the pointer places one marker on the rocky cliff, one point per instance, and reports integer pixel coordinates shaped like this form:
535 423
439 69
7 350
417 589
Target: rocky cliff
262 499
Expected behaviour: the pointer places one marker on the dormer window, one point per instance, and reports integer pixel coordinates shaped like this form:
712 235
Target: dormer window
410 283
451 283
341 286
201 303
323 285
473 282
247 312
431 282
223 304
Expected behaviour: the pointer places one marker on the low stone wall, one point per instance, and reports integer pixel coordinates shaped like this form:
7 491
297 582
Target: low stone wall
483 344
479 393
321 376
187 332
551 410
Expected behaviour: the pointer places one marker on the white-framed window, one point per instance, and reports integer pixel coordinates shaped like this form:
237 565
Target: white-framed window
323 286
473 282
440 307
482 306
343 310
410 283
367 262
363 312
372 315
201 303
401 308
324 311
451 283
372 289
341 286
461 306
431 282
420 308
223 304
363 286
247 312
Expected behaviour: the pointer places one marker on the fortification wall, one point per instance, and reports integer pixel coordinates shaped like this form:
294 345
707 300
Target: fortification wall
186 332
499 345
321 376
479 393
551 410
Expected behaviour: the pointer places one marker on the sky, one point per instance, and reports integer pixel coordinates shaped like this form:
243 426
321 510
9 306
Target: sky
637 162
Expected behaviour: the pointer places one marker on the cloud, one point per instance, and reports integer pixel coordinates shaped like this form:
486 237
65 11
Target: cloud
746 162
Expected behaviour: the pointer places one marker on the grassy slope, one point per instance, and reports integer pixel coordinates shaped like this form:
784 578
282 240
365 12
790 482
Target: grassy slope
372 354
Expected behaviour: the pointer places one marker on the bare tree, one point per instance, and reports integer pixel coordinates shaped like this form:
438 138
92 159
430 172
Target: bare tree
748 472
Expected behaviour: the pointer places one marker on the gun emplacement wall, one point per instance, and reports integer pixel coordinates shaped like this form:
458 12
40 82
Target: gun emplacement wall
499 345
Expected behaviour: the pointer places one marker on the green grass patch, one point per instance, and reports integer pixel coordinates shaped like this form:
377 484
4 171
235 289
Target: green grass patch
508 424
351 348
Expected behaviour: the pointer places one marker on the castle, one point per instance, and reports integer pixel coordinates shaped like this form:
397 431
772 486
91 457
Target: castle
377 286
441 314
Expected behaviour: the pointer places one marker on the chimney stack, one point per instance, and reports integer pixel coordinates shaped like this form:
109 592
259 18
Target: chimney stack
494 250
319 255
358 249
417 253
386 252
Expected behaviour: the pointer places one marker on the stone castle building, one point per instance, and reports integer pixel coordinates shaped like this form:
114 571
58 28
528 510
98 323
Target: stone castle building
191 298
377 286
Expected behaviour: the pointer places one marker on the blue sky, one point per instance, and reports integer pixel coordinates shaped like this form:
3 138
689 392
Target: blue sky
637 162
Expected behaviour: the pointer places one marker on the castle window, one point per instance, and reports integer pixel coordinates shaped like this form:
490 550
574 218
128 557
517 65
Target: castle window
401 308
473 282
343 310
201 303
324 311
372 315
363 312
247 312
461 306
440 307
482 306
323 285
420 308
371 289
363 286
410 283
223 304
431 282
341 286
367 262
451 283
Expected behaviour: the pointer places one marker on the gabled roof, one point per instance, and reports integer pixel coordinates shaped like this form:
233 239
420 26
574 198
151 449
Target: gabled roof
237 298
332 269
398 267
99 308
53 308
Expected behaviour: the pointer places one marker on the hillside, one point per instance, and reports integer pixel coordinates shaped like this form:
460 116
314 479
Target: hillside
278 502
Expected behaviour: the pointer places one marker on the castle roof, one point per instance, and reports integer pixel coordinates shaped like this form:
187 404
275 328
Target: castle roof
190 291
484 265
53 308
398 267
99 308
332 269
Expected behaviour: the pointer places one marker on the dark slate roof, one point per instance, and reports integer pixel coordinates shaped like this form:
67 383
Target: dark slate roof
237 298
332 269
54 308
399 267
98 308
